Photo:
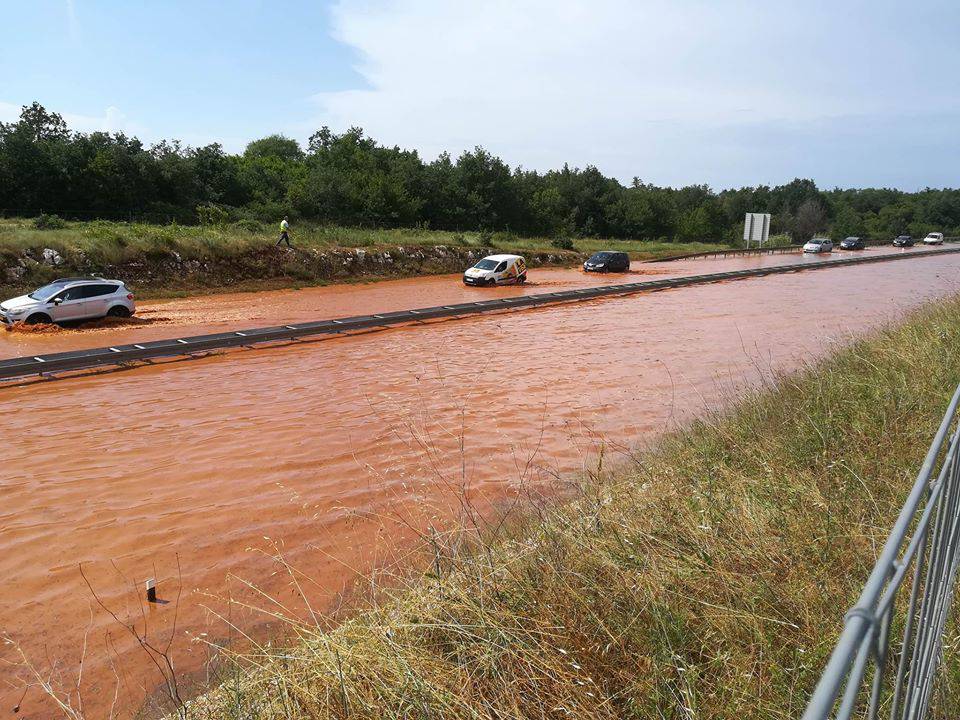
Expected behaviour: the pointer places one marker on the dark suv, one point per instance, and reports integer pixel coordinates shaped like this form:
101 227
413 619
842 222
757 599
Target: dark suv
903 241
607 261
852 243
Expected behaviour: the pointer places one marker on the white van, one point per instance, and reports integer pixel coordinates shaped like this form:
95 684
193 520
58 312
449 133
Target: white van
934 238
497 270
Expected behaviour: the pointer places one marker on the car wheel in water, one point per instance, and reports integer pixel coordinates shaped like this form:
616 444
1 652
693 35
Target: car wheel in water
118 311
491 282
38 319
522 279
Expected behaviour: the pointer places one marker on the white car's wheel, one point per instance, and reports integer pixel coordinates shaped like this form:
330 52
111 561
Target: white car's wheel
38 319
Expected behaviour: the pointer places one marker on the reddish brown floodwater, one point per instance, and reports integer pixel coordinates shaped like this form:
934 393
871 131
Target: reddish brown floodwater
332 447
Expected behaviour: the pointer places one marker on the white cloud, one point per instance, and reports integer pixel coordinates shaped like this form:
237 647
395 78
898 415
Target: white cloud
9 112
634 86
112 120
73 24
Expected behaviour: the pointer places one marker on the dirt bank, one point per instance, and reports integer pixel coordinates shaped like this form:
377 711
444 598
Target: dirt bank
168 272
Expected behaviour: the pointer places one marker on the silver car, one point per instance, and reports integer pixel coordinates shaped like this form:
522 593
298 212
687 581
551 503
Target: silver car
818 244
76 298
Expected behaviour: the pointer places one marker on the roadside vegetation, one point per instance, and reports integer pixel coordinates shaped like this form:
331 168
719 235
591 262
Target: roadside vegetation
349 179
112 242
705 578
160 260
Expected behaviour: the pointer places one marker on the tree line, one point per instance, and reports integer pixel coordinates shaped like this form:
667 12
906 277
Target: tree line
350 179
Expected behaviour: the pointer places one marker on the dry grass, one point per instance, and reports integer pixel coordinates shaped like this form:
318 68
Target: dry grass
707 580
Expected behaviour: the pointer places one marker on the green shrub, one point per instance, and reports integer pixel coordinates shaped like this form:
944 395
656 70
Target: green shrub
212 215
49 222
562 243
249 225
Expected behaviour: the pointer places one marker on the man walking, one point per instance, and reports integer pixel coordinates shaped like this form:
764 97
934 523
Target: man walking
284 236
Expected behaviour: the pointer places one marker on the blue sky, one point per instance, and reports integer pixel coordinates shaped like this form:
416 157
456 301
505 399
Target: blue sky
727 92
202 70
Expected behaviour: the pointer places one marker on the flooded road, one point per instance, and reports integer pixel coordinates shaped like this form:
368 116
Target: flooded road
335 451
216 313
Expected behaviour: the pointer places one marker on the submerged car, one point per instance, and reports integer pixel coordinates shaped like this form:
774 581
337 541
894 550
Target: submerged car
607 261
903 241
65 299
817 245
934 238
852 243
497 270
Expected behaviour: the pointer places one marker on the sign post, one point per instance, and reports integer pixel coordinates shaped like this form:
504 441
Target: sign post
756 228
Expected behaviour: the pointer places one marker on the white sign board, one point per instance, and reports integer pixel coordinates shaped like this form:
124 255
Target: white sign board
756 228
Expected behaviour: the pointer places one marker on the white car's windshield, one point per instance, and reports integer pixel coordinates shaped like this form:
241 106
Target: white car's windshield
46 291
486 264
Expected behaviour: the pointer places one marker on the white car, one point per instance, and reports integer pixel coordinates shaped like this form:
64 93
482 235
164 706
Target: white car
497 270
818 245
933 238
77 298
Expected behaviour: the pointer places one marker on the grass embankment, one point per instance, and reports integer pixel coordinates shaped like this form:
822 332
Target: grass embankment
170 259
709 579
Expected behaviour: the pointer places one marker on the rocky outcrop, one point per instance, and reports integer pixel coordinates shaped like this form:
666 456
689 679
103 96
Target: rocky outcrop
172 271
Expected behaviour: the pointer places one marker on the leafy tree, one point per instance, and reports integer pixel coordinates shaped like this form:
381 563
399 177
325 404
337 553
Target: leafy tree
810 219
349 178
274 146
43 125
848 223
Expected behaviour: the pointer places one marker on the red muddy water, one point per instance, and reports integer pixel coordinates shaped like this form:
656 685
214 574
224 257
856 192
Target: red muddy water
208 314
333 449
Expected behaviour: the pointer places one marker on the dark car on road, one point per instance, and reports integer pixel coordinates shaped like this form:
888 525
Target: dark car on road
903 241
607 261
852 243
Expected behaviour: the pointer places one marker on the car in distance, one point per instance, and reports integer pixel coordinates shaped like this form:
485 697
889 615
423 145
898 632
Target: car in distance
934 238
817 245
903 241
607 261
497 270
66 299
852 243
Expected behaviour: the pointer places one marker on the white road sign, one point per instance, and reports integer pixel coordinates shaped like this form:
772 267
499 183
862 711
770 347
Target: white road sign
756 228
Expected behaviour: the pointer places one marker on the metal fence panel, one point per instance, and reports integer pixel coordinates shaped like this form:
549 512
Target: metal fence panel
872 669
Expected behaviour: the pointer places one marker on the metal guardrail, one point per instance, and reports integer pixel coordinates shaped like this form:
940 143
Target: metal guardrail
731 252
735 252
120 354
900 637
